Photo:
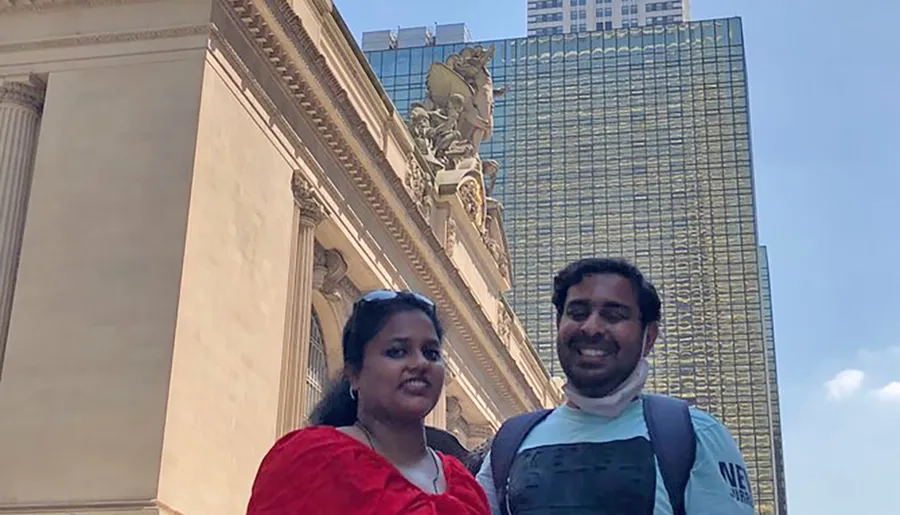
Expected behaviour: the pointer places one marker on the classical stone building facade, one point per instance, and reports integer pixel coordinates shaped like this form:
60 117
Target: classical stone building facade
193 194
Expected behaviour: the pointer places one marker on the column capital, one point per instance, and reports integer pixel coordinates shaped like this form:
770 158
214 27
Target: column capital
311 210
24 91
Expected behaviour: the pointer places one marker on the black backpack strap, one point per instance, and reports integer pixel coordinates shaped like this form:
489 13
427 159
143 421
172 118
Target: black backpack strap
674 444
505 447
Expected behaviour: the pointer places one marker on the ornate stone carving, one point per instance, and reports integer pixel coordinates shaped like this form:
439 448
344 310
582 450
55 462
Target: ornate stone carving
449 125
489 168
311 210
472 196
450 240
420 184
504 323
454 411
458 112
29 94
330 270
498 253
351 292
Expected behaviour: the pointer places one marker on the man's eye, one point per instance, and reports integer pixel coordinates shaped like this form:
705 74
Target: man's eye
614 317
578 313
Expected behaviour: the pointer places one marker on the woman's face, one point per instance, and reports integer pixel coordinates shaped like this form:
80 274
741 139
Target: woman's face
403 371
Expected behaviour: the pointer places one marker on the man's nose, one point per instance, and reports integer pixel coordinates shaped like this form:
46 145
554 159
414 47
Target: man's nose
594 325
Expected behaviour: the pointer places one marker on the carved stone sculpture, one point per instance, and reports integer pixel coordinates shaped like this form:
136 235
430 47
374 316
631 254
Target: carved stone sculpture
504 323
329 272
472 197
448 127
420 184
450 239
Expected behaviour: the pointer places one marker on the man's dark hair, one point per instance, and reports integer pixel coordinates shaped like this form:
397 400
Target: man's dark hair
575 272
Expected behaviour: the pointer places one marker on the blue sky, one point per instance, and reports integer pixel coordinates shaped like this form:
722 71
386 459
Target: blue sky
825 113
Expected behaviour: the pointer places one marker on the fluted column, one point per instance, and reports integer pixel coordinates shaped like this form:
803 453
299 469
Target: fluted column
21 102
308 215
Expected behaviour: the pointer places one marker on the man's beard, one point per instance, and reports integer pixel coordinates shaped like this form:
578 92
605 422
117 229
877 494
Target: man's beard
599 386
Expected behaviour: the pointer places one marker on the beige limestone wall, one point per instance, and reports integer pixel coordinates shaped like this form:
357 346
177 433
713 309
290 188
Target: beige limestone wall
231 317
85 379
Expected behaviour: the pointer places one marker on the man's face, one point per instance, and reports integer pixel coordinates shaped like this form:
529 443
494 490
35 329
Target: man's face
600 335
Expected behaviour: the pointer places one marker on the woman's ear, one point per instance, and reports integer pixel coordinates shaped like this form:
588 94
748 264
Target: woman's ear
352 376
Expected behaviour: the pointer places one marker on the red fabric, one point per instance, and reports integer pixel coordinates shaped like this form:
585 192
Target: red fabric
322 471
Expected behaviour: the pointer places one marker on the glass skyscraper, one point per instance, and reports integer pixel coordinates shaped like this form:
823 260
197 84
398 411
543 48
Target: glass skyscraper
769 333
636 143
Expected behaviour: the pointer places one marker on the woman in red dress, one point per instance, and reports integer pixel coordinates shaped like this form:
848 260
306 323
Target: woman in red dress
366 452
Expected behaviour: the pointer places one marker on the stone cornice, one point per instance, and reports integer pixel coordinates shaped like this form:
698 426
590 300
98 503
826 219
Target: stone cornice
24 6
321 111
102 39
25 94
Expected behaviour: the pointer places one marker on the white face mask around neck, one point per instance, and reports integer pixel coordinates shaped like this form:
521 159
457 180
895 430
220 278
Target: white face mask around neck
614 403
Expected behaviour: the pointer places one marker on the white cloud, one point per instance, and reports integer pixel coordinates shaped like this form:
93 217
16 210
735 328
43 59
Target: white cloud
844 384
890 392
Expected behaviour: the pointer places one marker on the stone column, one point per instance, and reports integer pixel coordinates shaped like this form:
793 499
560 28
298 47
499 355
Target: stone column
21 102
299 306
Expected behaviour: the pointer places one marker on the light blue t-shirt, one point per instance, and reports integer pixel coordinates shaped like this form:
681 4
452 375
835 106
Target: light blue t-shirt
609 462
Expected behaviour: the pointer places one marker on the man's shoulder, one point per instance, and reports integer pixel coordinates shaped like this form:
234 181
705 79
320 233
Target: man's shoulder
705 422
712 434
707 426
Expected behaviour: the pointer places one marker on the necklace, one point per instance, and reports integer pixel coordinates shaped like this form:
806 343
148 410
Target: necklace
437 468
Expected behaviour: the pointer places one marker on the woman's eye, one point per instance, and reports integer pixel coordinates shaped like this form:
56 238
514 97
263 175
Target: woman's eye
395 353
432 354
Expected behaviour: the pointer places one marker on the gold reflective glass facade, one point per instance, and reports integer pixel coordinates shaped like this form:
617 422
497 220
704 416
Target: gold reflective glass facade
774 401
636 143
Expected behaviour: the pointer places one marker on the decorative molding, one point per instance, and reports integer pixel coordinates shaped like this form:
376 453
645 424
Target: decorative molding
450 238
351 292
504 322
454 410
23 6
311 210
420 185
103 39
330 269
30 95
472 196
326 113
498 253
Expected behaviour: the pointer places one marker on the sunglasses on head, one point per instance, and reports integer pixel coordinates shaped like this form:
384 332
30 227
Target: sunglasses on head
386 295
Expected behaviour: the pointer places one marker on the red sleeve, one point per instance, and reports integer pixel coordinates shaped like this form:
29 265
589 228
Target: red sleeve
320 471
464 488
300 475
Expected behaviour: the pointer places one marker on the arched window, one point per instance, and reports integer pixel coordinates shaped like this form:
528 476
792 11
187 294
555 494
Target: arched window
317 367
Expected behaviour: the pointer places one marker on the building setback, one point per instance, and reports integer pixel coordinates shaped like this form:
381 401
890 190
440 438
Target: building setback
547 17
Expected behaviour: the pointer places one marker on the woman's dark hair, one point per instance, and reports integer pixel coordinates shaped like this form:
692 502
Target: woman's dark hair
370 314
445 442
